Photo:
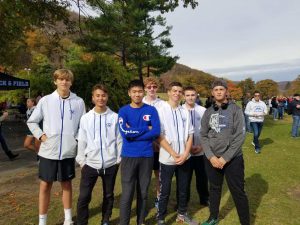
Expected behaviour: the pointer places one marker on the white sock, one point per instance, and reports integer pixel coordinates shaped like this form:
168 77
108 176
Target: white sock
68 214
43 219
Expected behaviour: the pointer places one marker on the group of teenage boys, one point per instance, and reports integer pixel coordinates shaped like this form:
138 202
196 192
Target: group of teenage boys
160 135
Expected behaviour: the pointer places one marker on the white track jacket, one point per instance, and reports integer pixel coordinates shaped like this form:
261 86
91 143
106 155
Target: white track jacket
176 126
196 115
99 140
61 119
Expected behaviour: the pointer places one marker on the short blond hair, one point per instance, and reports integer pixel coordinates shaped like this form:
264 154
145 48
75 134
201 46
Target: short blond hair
151 80
64 74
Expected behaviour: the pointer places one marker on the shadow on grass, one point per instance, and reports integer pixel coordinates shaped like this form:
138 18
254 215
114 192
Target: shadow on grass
266 141
256 188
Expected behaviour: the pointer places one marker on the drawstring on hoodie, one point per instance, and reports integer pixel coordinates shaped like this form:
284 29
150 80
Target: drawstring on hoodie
94 126
62 110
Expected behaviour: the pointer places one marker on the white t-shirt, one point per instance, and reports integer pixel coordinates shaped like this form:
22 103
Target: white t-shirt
156 103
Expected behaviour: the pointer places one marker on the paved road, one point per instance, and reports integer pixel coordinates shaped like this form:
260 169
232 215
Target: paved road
14 133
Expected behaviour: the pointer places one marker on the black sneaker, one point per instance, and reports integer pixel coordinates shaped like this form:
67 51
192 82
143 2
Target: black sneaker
204 203
13 156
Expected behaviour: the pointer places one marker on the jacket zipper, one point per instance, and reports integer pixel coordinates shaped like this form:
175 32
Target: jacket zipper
101 148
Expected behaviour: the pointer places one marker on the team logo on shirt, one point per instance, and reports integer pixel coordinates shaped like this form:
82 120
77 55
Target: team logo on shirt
214 122
146 117
121 120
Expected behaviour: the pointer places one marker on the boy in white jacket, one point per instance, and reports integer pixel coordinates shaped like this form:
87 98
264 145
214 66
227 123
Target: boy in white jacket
60 112
175 141
256 110
99 148
197 155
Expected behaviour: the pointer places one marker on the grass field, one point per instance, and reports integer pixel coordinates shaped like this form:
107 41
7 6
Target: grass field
272 185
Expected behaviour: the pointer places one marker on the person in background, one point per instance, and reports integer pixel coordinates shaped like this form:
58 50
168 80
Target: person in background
6 150
99 148
197 155
198 100
222 136
280 108
209 101
60 112
246 100
256 110
274 104
294 110
31 142
151 86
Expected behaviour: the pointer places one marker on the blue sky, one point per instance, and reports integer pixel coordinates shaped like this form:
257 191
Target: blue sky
239 39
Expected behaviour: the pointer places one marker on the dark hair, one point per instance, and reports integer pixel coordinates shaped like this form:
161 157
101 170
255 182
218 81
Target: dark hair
173 84
135 83
189 88
219 82
256 92
296 95
99 87
33 100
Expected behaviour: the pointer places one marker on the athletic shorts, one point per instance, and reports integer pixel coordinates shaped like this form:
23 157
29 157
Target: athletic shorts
56 170
28 133
156 161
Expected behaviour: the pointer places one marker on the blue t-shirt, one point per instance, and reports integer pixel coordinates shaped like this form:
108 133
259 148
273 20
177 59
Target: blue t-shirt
134 126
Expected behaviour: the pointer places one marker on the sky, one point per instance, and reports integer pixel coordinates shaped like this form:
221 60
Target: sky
239 39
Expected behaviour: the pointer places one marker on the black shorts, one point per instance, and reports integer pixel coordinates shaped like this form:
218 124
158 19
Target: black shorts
56 170
156 161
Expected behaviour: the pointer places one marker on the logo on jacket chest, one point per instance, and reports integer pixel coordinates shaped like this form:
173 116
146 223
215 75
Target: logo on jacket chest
146 117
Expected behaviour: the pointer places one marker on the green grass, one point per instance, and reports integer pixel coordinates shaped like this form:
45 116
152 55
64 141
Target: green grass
272 184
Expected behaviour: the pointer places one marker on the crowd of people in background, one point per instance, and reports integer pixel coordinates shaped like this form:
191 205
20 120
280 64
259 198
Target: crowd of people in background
171 138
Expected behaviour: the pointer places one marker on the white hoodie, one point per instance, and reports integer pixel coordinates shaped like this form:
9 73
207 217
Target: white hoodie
176 127
196 115
256 110
99 140
61 119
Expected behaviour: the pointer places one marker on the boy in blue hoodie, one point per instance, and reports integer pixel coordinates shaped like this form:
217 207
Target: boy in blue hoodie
139 126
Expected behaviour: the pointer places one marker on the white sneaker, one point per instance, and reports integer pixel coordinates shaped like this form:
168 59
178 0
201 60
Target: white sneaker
253 143
68 222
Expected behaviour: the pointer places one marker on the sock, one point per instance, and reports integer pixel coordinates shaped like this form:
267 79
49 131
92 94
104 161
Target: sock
68 214
43 219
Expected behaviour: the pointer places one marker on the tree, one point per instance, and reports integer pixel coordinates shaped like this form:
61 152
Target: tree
19 16
247 86
235 92
99 68
267 88
126 29
294 86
